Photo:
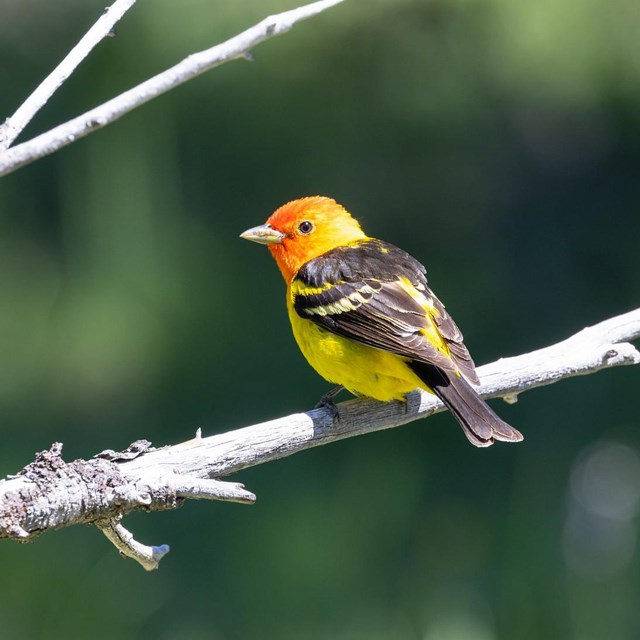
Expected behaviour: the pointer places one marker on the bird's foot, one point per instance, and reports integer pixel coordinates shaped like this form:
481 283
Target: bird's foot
327 402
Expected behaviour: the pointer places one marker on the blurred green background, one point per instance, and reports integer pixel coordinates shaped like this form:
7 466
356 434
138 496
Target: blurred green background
497 141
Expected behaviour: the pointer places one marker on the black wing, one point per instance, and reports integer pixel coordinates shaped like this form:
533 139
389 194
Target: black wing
377 294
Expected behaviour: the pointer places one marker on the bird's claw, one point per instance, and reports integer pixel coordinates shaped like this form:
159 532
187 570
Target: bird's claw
327 402
330 406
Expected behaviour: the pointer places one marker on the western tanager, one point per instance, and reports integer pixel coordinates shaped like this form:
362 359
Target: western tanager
365 319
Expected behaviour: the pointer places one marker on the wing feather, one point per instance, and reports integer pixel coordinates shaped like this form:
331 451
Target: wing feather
377 294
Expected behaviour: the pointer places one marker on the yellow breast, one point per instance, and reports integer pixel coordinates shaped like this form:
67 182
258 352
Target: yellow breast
361 369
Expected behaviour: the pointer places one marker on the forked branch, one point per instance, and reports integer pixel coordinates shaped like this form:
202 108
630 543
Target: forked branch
239 46
12 127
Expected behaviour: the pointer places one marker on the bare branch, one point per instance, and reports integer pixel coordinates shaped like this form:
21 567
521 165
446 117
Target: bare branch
11 128
50 494
601 346
237 47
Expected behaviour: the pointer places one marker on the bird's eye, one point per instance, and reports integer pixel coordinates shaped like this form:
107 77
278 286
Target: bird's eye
305 227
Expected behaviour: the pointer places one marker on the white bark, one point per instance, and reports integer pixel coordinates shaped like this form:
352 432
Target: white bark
11 128
237 47
50 494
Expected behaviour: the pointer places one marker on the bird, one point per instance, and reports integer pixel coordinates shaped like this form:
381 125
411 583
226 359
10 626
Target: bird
365 318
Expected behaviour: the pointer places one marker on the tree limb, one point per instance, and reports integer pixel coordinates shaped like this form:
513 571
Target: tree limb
12 127
237 47
51 494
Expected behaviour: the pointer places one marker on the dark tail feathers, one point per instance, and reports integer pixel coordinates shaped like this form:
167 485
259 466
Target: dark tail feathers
480 423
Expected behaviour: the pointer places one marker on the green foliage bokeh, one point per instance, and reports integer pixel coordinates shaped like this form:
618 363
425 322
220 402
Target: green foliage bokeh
498 142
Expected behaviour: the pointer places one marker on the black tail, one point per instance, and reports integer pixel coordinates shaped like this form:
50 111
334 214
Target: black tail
480 423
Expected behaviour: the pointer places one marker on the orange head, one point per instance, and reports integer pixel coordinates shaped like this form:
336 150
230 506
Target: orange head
305 229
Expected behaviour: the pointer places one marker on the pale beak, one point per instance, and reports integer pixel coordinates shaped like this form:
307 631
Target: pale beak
263 234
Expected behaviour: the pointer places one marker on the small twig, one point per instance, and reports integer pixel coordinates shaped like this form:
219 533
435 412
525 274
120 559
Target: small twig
12 127
51 494
192 66
207 489
123 540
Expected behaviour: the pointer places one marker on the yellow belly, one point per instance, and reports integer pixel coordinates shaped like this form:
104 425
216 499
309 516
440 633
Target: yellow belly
361 369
